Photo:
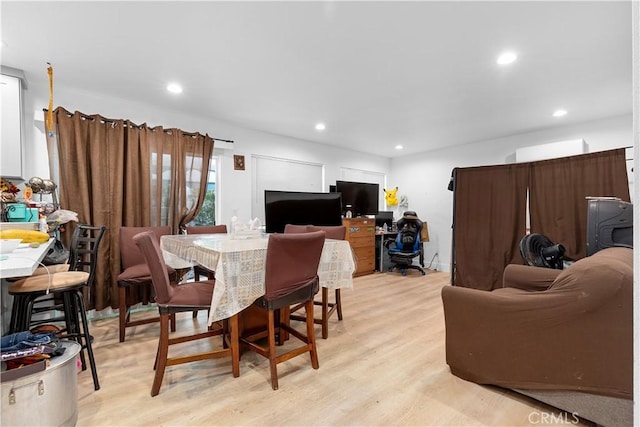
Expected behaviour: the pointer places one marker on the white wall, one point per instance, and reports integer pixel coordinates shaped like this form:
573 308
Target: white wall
424 178
234 187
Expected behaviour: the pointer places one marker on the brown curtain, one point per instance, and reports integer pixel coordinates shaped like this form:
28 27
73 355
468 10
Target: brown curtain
558 191
490 208
190 176
90 182
489 220
115 173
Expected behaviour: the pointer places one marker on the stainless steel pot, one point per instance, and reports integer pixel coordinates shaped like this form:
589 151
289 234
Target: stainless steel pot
45 398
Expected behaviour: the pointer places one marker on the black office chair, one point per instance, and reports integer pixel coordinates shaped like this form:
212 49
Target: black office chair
407 244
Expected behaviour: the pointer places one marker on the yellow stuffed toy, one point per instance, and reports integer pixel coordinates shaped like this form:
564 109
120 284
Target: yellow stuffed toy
391 196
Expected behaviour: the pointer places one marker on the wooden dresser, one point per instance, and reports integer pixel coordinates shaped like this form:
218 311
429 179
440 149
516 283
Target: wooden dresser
361 234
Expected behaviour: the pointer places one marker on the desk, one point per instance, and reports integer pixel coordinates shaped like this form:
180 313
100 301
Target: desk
381 237
240 264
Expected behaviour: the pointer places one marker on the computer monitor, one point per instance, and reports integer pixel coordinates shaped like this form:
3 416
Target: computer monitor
384 217
609 223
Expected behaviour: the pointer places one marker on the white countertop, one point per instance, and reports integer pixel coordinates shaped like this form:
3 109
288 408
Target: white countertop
23 261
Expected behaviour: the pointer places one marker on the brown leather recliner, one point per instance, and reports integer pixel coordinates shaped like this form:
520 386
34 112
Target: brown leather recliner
550 331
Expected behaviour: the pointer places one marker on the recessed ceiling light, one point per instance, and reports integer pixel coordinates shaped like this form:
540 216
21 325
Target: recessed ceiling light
559 113
507 58
399 147
174 88
320 126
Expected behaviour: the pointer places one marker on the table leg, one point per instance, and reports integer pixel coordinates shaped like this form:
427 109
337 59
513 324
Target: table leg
381 253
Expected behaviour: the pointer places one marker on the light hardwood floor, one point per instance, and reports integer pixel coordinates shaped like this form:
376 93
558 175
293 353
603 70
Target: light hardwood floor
383 365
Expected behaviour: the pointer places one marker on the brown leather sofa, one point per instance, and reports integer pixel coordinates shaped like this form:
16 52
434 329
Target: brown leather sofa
564 337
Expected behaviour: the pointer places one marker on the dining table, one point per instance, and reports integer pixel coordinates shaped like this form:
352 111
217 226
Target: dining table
239 264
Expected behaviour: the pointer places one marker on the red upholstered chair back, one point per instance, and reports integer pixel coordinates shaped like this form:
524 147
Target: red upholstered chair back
206 229
130 255
293 228
147 242
336 232
292 262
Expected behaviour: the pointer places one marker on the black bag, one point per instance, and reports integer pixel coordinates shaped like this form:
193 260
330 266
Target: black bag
57 254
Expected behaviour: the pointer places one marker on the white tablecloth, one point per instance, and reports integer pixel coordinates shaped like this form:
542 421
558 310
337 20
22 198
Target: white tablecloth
240 265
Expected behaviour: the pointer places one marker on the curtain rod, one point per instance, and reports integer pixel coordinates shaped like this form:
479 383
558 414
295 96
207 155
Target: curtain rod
84 116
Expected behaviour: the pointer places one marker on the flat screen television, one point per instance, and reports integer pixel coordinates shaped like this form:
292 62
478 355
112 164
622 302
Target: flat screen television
361 196
609 223
300 208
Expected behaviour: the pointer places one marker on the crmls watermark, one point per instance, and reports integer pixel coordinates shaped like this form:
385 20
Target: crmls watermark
542 418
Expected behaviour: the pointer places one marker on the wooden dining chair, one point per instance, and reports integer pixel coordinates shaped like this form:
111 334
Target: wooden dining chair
291 277
328 308
294 228
175 299
135 275
199 270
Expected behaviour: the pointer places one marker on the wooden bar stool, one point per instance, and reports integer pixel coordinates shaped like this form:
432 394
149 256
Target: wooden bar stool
175 299
135 275
69 287
336 232
291 277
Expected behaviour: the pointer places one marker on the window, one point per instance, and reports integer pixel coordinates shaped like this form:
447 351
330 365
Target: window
207 215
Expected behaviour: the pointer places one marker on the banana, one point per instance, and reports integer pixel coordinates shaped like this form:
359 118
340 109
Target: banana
27 236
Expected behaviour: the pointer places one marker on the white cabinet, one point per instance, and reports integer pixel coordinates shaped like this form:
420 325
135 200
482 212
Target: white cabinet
11 144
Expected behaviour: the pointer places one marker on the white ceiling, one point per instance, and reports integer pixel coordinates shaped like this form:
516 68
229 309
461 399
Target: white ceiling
420 74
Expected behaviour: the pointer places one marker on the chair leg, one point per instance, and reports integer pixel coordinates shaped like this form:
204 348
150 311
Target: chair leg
325 313
163 352
71 323
327 309
172 317
20 314
13 323
25 320
87 337
235 345
272 349
311 335
122 311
